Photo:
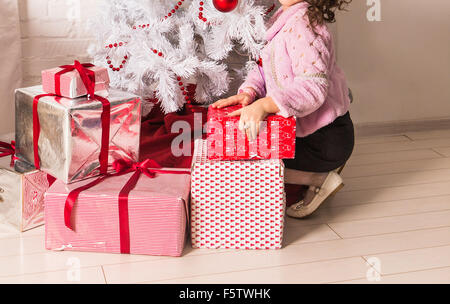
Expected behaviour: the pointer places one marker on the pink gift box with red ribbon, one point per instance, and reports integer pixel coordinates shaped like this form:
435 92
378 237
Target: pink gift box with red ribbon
156 216
236 204
71 84
226 142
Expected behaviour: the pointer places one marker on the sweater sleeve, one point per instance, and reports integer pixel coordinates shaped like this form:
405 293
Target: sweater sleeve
310 57
255 81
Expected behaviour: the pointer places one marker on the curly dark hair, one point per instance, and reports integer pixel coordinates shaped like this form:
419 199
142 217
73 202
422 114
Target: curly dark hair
321 11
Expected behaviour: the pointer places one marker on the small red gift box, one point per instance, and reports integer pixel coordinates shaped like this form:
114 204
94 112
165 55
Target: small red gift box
225 142
67 82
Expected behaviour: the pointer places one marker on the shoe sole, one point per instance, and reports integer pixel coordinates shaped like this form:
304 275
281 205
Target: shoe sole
341 169
339 188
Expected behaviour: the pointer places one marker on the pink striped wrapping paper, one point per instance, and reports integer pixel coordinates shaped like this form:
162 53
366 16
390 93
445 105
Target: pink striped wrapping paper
157 213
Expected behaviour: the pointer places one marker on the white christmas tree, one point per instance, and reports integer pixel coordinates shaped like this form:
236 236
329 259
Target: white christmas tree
154 48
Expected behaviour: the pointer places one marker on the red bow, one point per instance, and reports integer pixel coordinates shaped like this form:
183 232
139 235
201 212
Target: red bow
149 167
7 150
88 78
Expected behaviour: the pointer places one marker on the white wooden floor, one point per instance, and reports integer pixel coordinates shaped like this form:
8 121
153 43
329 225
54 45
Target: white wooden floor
394 212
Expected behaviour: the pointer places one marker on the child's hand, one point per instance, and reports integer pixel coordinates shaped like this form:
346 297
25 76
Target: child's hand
253 115
241 99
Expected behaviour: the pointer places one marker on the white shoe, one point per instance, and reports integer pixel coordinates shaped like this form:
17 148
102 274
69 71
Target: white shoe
333 183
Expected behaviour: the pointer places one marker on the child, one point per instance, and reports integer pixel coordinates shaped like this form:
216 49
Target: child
299 77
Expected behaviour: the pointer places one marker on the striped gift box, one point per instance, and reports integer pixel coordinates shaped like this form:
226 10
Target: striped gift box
157 216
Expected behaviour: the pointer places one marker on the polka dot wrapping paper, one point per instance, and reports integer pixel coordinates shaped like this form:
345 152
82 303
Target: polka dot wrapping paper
236 204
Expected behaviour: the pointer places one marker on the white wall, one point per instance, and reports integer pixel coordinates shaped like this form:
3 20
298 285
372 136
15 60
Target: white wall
53 33
399 68
10 72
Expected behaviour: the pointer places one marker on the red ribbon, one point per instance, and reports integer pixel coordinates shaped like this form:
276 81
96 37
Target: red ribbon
51 180
149 168
8 150
37 129
88 78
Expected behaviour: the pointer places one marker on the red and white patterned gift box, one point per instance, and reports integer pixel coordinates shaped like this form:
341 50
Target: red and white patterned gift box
22 197
236 204
225 142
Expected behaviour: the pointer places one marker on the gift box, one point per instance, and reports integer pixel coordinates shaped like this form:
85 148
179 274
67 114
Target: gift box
226 142
70 139
156 218
70 83
236 204
21 197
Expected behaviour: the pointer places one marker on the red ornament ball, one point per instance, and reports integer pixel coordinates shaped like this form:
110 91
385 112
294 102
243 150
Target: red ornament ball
225 6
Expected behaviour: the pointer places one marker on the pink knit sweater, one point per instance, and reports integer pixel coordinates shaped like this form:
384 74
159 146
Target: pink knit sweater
300 72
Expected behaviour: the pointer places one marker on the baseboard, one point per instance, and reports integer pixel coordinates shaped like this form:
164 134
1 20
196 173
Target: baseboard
399 127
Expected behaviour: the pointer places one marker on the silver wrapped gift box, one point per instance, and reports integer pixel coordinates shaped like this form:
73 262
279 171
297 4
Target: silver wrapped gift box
71 131
21 196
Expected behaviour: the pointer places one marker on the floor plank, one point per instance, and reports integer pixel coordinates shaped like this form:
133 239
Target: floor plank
443 151
308 234
413 166
431 276
310 273
92 275
22 246
392 157
6 231
402 146
381 139
55 261
374 210
414 260
397 179
428 134
39 231
230 261
388 194
392 224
